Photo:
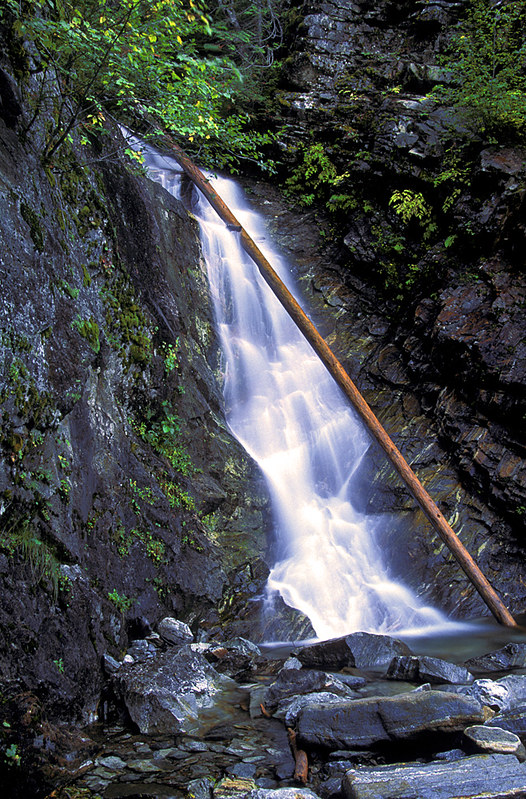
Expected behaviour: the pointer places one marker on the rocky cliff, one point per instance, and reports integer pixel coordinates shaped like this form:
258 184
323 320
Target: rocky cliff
430 314
123 497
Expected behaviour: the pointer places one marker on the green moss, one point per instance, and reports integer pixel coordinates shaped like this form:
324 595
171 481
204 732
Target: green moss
88 329
30 217
128 325
86 280
65 287
22 395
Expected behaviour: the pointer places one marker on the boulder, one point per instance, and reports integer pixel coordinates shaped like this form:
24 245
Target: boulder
512 719
488 776
511 656
174 631
515 685
292 663
141 650
480 738
289 710
165 694
362 723
427 669
359 650
291 682
488 692
237 657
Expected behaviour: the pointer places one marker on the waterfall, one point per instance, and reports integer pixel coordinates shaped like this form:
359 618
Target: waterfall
290 416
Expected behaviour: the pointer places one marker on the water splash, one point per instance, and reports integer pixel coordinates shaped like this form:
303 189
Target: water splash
290 416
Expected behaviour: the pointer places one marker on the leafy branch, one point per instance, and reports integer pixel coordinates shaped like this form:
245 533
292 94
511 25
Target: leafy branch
133 59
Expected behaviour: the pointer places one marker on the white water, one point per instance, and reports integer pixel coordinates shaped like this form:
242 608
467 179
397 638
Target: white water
291 418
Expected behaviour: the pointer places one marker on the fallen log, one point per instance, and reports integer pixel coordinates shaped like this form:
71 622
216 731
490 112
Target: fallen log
301 771
430 509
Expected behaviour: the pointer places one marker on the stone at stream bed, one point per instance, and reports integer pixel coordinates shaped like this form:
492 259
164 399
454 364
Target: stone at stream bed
512 719
427 669
288 711
174 631
359 650
481 776
511 656
238 658
515 685
488 692
199 789
291 682
244 788
165 694
292 663
479 738
508 692
362 723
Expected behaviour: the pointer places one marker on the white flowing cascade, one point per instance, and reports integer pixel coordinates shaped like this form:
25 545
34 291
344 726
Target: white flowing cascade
290 416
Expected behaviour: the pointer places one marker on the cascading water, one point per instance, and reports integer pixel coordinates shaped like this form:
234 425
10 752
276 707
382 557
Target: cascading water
289 415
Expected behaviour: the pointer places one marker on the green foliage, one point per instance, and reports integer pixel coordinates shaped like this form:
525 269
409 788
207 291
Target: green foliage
170 357
31 218
65 287
454 177
176 496
162 434
487 60
410 205
9 753
121 601
154 547
137 59
21 537
145 494
59 663
316 178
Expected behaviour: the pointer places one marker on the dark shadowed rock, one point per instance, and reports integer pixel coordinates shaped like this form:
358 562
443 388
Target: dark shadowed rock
511 656
165 694
488 776
365 722
488 739
427 669
238 658
359 650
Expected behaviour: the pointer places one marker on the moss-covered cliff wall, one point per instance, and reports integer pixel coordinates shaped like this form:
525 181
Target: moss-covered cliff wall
122 495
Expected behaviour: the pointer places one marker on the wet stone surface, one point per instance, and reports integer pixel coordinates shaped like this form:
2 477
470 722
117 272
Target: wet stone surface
372 734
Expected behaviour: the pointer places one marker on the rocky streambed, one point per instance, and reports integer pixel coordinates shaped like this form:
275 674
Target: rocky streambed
359 716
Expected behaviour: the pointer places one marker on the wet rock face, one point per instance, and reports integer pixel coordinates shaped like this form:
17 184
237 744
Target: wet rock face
477 347
123 497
